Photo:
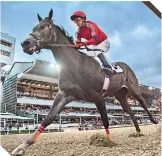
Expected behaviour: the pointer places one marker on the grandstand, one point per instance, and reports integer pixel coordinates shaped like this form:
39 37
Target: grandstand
31 87
15 120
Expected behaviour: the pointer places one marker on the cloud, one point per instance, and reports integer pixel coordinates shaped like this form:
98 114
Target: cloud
18 6
142 32
115 40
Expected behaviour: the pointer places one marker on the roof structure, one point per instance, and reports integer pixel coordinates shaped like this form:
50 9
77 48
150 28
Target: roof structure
12 116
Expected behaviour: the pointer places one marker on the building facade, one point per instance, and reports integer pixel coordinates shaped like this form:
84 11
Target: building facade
7 49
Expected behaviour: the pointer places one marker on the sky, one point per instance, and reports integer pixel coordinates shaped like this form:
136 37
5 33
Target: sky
133 30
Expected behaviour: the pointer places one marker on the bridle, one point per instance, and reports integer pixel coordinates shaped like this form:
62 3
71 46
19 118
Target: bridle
41 43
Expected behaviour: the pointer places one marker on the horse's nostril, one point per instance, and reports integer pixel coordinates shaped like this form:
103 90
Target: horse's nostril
25 43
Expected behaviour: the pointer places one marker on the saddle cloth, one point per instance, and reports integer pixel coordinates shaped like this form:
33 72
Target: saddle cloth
116 67
106 85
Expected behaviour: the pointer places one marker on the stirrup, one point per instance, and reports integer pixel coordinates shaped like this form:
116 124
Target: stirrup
108 71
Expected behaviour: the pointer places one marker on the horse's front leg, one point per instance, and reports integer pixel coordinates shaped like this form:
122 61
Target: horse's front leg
60 101
100 104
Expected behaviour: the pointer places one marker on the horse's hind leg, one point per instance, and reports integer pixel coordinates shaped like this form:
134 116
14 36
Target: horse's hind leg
60 101
121 96
143 103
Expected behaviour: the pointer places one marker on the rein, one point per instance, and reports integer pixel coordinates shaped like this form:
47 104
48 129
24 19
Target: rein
65 45
41 43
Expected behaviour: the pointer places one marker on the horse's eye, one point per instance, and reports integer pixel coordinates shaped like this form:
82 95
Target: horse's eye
41 27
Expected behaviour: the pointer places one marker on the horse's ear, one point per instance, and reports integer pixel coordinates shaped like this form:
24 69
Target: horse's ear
39 18
50 14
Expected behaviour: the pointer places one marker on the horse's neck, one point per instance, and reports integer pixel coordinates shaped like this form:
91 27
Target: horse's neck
64 55
61 39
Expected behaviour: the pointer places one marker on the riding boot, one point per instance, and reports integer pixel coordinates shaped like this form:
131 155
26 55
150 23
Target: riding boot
105 63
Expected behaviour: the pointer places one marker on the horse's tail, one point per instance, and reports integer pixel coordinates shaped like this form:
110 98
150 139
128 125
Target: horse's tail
129 73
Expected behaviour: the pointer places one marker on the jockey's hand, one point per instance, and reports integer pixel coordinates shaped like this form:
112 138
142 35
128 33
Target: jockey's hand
76 45
77 41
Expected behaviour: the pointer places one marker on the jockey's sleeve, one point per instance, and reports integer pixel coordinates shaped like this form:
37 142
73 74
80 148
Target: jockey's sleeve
92 41
94 34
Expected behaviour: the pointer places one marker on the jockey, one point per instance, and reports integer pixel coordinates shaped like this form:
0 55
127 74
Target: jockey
94 36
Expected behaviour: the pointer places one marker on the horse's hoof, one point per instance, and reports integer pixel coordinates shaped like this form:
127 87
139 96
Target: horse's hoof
155 122
138 134
18 152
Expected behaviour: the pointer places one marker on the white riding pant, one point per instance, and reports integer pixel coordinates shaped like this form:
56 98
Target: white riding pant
105 46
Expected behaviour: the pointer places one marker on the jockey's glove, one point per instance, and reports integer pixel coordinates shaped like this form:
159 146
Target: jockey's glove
76 45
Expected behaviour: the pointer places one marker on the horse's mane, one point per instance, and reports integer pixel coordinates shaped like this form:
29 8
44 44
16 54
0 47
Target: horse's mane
66 34
70 38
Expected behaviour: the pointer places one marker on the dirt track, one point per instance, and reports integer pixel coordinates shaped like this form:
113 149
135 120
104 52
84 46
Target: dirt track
77 143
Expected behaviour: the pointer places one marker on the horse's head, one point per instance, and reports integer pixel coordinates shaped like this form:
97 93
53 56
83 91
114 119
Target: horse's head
42 35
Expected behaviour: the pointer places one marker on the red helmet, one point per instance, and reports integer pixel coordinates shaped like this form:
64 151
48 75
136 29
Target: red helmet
78 14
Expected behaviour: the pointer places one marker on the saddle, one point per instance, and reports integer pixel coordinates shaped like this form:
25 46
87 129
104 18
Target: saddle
115 67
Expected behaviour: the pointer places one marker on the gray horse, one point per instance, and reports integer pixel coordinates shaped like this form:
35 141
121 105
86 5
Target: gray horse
80 78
